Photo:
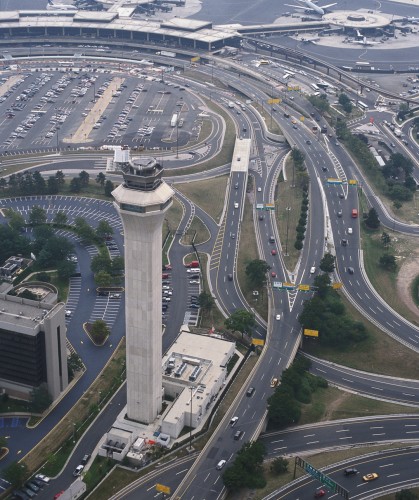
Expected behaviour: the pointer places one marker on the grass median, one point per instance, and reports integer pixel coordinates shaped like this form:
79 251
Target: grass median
52 452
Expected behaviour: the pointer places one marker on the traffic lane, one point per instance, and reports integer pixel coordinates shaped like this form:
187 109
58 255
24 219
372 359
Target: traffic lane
321 436
392 467
170 476
87 443
373 385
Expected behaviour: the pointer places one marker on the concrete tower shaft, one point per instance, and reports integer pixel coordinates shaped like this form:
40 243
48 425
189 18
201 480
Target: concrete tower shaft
142 202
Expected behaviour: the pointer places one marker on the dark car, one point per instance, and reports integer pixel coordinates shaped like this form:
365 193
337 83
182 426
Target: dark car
85 459
344 242
350 472
319 493
351 270
238 435
230 277
32 486
250 391
194 277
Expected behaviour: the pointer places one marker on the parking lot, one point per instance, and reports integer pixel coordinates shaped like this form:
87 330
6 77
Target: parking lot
61 106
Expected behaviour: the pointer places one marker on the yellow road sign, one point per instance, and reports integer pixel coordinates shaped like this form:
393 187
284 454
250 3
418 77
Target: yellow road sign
304 288
353 182
195 59
311 333
336 286
258 342
163 489
274 101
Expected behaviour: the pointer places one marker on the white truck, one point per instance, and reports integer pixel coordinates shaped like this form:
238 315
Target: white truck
230 104
173 121
166 53
397 132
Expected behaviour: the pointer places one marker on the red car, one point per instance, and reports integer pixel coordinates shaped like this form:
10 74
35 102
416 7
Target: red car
273 274
273 252
57 495
168 267
319 493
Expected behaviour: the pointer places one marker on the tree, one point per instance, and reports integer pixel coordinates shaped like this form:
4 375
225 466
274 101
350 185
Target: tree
40 185
327 264
240 321
283 409
279 465
118 265
372 220
101 262
16 473
16 220
99 331
397 205
109 187
74 364
3 443
84 178
52 185
40 398
388 262
256 272
59 175
43 276
12 243
298 157
103 229
75 185
102 278
84 230
385 239
66 269
206 301
60 219
37 216
345 102
3 183
246 471
101 178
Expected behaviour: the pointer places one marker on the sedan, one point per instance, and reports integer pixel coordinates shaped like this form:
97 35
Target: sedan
274 382
273 252
273 274
194 282
370 477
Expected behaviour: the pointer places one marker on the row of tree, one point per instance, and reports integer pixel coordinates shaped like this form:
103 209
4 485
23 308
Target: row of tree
302 222
31 183
296 388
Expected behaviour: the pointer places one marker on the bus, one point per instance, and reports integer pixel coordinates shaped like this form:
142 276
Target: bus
362 105
264 61
362 64
65 64
314 87
288 74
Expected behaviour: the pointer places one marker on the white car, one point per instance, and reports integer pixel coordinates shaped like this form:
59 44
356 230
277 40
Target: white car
194 282
221 464
236 205
259 189
312 270
67 314
350 231
278 317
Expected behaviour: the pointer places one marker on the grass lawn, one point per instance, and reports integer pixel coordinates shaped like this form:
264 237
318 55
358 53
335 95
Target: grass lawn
288 197
384 281
378 354
224 156
173 217
209 194
212 318
248 251
334 404
118 479
197 232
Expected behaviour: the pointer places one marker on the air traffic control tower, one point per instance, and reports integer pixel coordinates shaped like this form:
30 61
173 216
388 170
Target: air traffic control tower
142 200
